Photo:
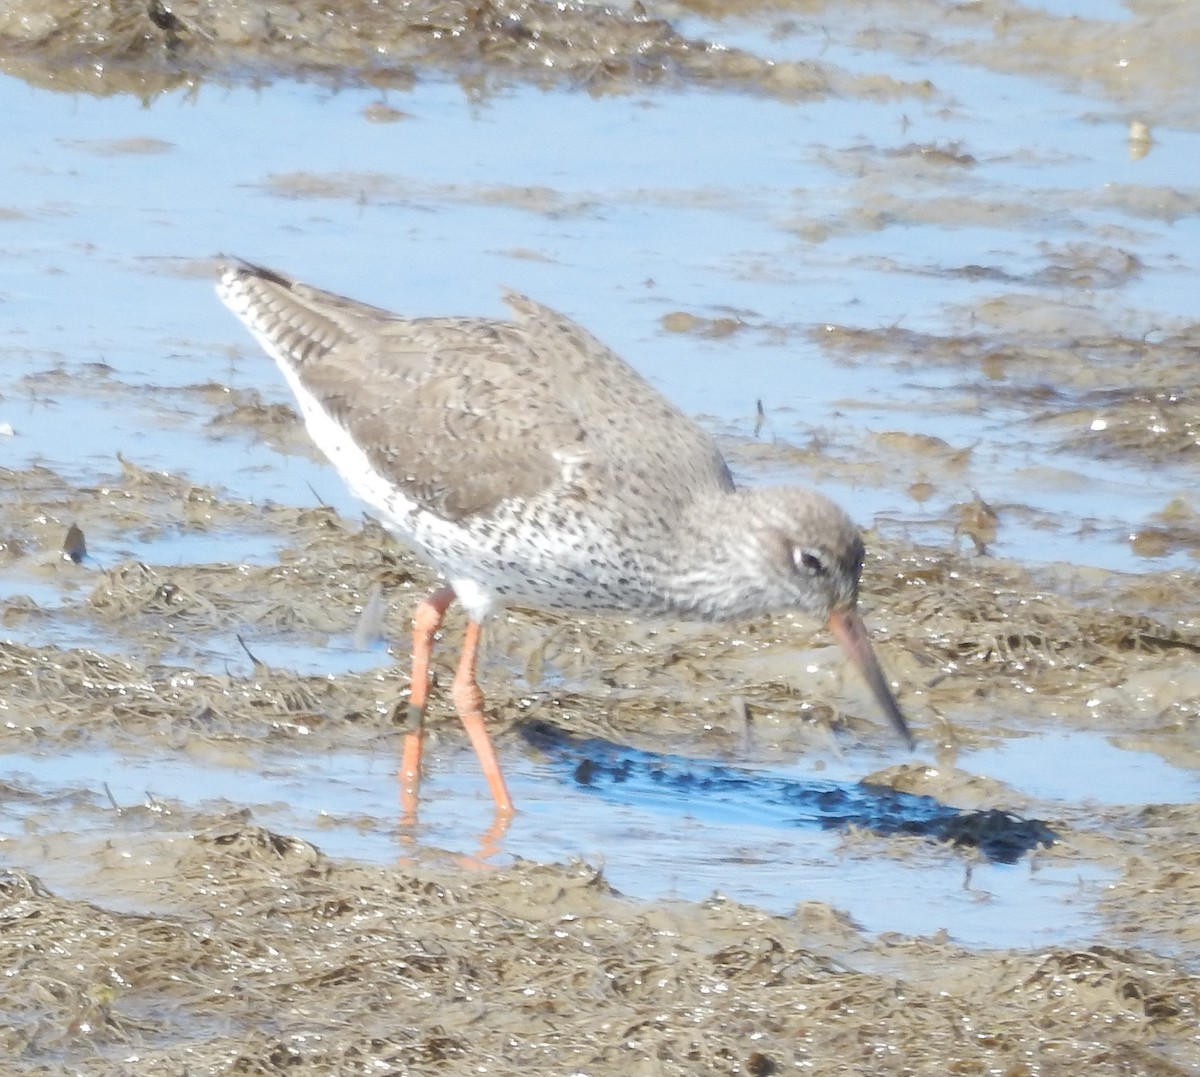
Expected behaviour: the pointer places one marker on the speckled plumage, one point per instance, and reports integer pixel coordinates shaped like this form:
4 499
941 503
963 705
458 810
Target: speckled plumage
533 466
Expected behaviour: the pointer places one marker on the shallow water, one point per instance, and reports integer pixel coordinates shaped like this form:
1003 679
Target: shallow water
648 848
459 199
619 211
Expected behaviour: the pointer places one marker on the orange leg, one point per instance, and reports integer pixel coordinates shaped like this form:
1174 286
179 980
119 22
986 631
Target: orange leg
427 619
468 701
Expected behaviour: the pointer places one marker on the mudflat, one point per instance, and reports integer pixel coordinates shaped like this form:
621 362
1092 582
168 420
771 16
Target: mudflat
177 939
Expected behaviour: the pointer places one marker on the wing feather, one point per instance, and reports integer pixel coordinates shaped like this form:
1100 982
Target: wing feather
464 414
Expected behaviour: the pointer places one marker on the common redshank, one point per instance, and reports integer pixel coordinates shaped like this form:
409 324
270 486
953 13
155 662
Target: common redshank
534 467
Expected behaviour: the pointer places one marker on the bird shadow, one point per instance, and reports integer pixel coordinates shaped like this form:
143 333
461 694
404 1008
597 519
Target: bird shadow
726 794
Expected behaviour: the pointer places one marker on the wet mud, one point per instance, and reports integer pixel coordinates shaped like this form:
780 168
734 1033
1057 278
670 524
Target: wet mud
188 941
151 47
185 939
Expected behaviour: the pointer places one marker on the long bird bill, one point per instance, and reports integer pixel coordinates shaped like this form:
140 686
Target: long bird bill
849 631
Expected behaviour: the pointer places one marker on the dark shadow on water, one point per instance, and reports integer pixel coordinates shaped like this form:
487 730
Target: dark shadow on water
727 795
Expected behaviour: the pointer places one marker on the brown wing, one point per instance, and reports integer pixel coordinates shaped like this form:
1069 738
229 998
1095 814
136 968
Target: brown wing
462 414
627 423
442 407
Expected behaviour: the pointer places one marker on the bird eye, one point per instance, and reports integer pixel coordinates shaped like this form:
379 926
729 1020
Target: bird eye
809 562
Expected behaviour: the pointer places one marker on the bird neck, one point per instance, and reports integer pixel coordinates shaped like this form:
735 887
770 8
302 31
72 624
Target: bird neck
704 572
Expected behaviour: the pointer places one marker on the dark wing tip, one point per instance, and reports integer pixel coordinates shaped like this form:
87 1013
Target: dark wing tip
240 268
